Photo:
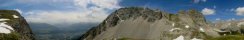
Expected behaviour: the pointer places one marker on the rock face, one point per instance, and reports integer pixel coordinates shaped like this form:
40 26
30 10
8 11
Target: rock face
134 23
13 26
231 27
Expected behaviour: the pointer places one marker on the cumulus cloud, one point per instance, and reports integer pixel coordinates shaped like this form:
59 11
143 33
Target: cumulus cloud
106 4
207 11
240 11
110 4
89 11
57 17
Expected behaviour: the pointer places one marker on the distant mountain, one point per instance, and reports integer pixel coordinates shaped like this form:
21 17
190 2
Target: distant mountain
136 23
76 30
44 31
43 28
13 26
77 27
234 26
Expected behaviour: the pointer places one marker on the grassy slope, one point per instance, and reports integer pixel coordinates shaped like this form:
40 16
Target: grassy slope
10 36
228 37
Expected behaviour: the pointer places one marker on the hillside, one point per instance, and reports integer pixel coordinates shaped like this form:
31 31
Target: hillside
13 26
135 23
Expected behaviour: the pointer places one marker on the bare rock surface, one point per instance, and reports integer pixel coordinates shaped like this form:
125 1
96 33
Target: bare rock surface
135 23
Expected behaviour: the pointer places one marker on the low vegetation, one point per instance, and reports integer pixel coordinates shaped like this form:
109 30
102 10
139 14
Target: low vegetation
10 36
228 37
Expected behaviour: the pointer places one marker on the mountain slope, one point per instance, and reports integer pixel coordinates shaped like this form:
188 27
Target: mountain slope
43 28
44 31
13 26
135 23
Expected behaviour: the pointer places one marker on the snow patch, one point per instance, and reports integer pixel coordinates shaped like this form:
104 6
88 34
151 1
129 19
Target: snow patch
173 24
3 19
219 30
15 16
4 28
201 29
196 39
187 26
179 38
174 29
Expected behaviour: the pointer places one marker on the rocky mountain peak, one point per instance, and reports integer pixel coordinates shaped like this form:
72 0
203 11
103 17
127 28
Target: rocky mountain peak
13 26
134 12
137 23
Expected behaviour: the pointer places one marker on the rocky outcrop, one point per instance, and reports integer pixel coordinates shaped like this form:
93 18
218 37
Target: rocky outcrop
14 26
230 27
135 23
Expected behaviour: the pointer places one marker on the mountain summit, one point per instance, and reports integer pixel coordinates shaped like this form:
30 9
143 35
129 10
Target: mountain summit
13 26
135 23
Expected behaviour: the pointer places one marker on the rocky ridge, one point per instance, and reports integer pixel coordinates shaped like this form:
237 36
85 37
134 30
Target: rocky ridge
135 23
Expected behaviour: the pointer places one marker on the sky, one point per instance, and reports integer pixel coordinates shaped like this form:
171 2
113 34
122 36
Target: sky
95 11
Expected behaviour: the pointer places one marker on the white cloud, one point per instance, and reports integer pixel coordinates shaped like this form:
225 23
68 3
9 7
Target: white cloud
106 4
218 19
232 19
207 11
197 1
19 11
57 17
240 11
82 3
86 13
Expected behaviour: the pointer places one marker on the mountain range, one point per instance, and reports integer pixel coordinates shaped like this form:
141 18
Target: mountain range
129 23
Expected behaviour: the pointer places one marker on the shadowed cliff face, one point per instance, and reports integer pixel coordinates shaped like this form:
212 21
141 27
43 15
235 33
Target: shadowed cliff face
19 28
134 23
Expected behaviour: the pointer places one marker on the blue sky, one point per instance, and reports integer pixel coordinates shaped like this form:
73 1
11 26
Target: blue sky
85 11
